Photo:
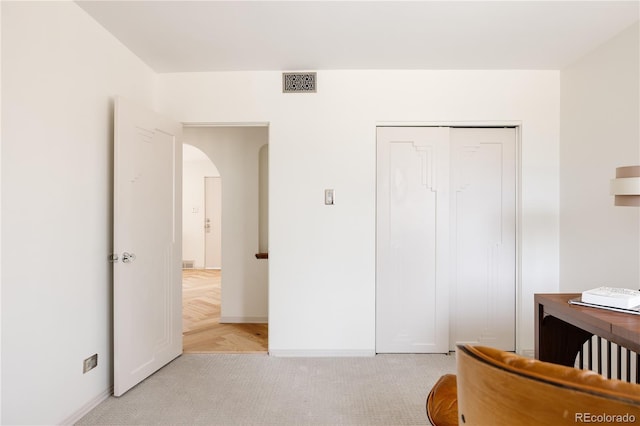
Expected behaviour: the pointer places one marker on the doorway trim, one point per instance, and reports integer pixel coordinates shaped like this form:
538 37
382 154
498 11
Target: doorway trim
226 124
517 124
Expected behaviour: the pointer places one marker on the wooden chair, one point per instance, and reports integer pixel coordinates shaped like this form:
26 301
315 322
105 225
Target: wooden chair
495 388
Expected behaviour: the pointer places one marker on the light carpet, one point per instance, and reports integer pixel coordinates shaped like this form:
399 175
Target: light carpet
246 389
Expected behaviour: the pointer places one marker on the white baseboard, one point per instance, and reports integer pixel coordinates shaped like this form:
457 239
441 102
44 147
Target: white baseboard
321 353
84 410
529 353
244 320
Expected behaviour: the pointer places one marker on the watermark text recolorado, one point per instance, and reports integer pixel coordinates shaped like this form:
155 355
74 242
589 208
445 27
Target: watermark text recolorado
604 418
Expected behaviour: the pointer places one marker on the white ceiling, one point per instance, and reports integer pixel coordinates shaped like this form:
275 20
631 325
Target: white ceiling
184 36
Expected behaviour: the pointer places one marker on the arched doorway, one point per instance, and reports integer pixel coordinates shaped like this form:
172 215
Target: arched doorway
201 207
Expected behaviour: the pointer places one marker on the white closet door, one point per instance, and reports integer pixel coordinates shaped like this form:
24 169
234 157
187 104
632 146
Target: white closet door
413 239
483 227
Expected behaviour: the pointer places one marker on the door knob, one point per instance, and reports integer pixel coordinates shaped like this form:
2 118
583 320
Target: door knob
128 257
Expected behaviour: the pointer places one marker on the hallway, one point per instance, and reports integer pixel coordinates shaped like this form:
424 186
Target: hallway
202 331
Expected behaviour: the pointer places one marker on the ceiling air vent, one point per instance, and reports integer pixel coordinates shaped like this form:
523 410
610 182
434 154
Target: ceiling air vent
299 82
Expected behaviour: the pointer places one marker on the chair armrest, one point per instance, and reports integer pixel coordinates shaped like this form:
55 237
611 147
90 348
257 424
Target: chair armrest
442 402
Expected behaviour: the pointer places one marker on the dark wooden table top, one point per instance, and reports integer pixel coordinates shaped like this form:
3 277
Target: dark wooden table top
618 327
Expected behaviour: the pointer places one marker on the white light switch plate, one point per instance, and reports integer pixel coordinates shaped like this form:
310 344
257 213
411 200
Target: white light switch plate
329 197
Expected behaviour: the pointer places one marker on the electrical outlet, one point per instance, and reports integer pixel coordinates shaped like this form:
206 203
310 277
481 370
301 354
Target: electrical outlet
89 363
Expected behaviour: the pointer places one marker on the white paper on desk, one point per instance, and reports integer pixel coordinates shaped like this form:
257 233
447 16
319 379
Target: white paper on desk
624 298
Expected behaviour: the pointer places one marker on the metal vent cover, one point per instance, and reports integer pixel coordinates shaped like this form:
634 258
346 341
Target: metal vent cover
299 82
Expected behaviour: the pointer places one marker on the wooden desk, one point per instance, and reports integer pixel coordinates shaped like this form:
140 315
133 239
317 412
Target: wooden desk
561 329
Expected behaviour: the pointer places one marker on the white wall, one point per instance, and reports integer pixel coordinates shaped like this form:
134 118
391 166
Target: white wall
1 217
321 258
60 71
235 152
263 201
600 116
193 208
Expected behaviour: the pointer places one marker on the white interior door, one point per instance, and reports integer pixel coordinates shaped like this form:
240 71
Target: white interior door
412 309
212 222
147 240
483 231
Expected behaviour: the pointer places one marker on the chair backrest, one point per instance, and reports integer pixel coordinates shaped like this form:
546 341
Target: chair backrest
501 388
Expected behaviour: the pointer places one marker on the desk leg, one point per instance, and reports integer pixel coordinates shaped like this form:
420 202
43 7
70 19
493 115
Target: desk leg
558 341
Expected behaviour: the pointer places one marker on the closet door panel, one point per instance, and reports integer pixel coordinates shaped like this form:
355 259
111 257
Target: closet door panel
412 214
483 211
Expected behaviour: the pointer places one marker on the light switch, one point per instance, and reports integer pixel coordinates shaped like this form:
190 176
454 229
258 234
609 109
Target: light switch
328 197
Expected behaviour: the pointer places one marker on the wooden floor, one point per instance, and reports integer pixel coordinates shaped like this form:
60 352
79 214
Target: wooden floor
202 331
